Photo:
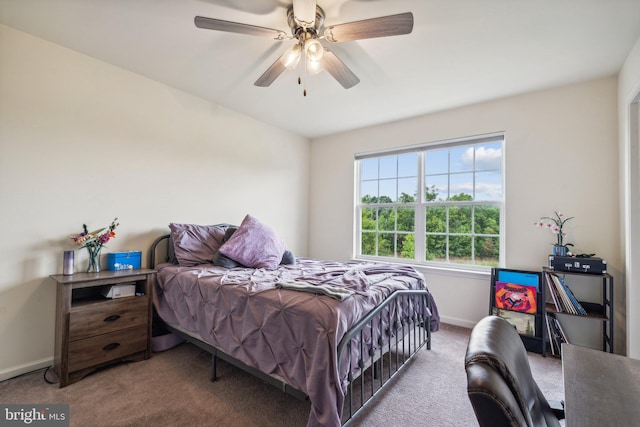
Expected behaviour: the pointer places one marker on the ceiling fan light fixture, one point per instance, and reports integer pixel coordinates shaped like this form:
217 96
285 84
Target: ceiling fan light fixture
291 57
313 50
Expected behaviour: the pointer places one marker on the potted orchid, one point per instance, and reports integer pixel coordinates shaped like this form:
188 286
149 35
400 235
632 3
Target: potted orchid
555 225
94 242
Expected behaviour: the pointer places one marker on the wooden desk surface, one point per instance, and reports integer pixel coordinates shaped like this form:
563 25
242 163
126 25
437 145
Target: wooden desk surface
601 389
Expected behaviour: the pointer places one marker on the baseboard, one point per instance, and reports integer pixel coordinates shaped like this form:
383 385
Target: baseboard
25 368
457 322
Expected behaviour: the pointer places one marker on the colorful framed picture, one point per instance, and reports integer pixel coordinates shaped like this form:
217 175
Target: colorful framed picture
516 297
525 324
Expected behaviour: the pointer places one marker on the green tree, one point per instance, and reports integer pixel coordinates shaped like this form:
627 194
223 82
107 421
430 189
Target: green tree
388 231
487 221
431 194
408 246
405 198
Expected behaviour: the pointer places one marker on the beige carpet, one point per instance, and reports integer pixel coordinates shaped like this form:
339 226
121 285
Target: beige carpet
173 388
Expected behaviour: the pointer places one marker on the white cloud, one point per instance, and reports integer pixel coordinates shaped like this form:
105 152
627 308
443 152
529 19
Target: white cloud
486 158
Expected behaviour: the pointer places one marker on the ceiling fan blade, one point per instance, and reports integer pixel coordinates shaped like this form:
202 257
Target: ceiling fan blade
384 26
235 27
272 73
339 70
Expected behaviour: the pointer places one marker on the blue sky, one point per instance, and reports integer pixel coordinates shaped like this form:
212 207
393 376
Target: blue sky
393 175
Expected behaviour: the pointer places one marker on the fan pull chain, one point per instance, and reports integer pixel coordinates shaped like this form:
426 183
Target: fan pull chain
304 89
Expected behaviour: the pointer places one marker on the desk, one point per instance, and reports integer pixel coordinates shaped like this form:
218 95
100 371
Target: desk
601 389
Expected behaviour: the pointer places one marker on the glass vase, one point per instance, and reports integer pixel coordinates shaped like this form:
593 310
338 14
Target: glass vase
94 259
559 250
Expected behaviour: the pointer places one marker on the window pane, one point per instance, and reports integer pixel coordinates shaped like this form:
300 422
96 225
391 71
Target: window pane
436 219
487 220
460 219
407 190
406 219
369 191
387 219
388 190
489 157
460 249
388 167
385 244
368 244
369 169
461 187
461 159
488 186
406 248
487 251
436 162
368 219
437 187
436 248
408 165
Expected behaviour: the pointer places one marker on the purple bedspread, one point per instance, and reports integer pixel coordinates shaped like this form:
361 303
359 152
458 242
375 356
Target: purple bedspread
287 333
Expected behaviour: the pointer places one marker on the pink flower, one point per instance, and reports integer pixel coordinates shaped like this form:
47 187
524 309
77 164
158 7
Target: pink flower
555 226
94 240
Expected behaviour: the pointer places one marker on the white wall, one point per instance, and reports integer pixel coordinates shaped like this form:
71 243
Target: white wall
629 122
561 154
82 141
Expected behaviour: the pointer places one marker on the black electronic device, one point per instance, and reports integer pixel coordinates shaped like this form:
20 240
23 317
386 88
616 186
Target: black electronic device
591 265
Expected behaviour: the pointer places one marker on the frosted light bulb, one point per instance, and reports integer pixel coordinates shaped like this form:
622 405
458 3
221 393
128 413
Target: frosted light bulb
314 67
291 57
313 50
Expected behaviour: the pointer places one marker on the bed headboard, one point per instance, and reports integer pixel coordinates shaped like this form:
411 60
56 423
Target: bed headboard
154 247
165 249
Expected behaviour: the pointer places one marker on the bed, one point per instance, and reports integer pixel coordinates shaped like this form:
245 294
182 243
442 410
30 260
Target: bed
332 332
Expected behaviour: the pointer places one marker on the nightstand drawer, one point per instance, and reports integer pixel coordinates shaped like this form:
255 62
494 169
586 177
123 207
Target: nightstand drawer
108 317
104 348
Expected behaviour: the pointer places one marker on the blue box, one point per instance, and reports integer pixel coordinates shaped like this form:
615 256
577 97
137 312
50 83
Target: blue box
124 260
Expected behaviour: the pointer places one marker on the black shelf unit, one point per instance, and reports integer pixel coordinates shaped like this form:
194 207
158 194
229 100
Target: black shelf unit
537 341
602 311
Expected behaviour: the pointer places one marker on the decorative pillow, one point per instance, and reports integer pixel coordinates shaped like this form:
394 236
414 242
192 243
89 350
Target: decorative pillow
224 261
228 233
254 245
195 244
288 258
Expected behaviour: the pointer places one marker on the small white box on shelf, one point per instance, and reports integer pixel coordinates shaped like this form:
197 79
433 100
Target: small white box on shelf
119 291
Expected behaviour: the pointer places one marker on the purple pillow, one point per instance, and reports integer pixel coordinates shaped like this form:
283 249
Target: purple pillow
254 245
195 244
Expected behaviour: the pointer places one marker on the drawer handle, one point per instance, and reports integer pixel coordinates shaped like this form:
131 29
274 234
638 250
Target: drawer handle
111 346
112 318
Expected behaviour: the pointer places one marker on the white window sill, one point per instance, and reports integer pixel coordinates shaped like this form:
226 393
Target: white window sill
439 270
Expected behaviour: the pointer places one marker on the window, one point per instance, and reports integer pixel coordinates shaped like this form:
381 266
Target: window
436 204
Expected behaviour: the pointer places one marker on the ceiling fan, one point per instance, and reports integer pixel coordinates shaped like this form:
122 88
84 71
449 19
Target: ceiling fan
306 20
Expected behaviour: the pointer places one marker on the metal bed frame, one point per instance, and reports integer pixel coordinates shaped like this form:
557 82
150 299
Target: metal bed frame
402 340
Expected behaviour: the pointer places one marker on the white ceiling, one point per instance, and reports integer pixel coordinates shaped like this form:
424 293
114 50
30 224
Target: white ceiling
460 52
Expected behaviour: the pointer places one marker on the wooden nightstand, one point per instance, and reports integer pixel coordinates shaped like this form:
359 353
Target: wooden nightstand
93 331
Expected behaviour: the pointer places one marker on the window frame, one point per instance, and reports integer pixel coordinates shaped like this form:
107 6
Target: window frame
420 205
